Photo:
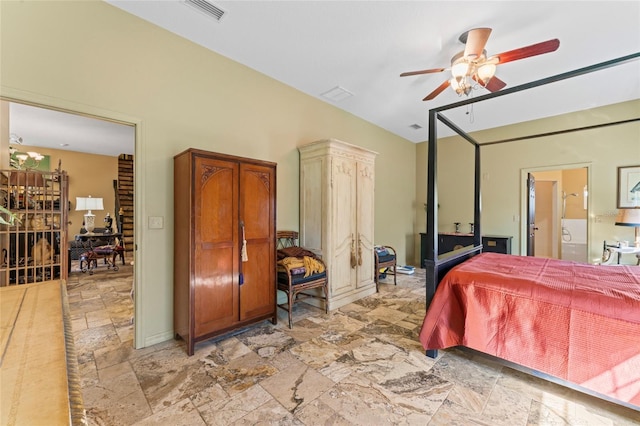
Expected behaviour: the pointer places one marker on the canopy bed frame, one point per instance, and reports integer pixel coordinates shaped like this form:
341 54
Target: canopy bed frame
438 266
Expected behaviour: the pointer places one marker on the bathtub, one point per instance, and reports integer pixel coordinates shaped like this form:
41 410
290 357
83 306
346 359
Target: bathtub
574 240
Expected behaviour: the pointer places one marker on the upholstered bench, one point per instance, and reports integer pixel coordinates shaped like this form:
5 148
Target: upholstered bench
89 259
81 245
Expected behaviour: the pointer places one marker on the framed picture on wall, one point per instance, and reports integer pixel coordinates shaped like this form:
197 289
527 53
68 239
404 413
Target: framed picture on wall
628 187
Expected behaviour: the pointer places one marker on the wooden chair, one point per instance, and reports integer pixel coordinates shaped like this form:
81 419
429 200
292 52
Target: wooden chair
295 285
383 260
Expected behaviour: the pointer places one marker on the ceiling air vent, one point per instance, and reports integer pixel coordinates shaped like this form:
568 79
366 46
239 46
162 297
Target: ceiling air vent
337 94
207 8
416 126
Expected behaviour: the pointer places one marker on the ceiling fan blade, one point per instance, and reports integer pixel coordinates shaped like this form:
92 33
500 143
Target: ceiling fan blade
527 51
436 92
475 41
433 70
495 84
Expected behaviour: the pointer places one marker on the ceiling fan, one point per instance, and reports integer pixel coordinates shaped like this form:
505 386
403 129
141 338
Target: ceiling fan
472 68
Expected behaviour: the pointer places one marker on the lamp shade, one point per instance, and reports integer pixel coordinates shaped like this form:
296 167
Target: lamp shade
628 217
89 203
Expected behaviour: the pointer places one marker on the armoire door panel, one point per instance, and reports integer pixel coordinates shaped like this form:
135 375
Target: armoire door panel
257 211
257 294
344 202
216 262
216 207
366 206
257 200
341 269
311 230
215 289
345 238
365 213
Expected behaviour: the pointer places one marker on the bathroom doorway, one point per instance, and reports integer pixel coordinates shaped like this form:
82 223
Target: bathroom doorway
561 213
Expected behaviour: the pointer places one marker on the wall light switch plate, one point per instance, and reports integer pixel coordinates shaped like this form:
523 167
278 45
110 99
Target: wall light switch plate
156 222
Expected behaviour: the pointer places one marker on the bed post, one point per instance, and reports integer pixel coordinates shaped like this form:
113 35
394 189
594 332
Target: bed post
432 218
477 209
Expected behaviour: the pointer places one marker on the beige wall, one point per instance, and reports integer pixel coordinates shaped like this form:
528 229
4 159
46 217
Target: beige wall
96 59
504 165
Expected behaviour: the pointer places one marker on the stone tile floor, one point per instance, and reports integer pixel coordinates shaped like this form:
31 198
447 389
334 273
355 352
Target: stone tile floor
359 365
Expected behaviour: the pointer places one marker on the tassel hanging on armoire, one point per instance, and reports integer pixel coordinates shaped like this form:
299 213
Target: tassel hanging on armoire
244 255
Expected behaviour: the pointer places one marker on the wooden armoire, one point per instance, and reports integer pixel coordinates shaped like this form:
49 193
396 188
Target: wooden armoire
337 215
219 202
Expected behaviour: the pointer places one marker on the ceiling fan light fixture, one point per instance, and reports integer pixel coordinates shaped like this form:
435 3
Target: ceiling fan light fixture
460 85
460 69
486 72
456 84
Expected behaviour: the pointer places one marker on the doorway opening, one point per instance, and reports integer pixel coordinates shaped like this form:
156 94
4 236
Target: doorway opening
91 149
559 212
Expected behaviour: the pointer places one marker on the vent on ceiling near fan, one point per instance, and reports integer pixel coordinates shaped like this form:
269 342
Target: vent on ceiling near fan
207 8
416 126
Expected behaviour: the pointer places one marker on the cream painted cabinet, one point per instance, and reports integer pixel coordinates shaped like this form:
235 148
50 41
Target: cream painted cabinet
337 215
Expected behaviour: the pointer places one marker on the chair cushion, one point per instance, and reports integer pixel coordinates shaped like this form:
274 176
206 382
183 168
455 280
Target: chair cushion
381 251
104 250
387 258
300 278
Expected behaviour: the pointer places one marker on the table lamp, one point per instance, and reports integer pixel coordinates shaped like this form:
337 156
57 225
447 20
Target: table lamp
630 217
89 203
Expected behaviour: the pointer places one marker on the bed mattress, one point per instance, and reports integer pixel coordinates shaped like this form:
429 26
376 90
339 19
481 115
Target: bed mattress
574 321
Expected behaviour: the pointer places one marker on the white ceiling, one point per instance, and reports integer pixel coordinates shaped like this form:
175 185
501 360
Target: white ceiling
41 127
363 46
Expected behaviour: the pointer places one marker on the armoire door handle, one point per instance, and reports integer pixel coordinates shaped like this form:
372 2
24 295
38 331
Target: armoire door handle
354 260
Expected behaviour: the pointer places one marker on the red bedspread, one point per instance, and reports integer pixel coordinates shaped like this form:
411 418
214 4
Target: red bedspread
577 322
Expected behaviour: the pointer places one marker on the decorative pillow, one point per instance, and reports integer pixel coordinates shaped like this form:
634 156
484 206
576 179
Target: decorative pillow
381 251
